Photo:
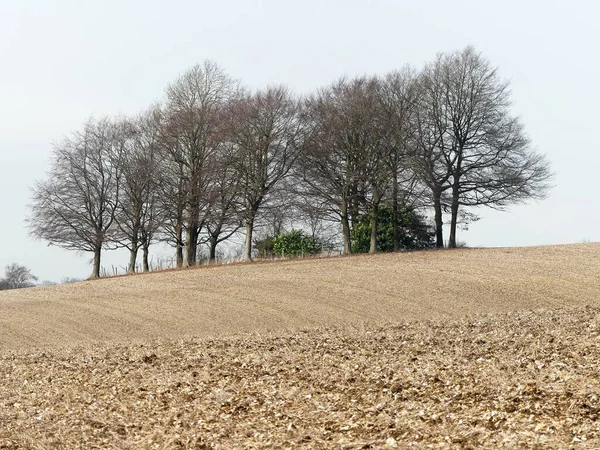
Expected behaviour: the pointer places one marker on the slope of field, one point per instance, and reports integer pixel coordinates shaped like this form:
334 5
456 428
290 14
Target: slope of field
495 348
499 381
303 294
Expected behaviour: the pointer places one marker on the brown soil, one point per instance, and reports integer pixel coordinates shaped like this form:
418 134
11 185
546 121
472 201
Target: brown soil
512 380
301 294
454 349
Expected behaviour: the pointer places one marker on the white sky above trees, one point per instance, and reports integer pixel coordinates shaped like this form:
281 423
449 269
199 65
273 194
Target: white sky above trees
62 61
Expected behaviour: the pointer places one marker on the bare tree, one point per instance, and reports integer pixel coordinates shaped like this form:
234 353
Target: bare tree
144 178
266 130
69 280
225 217
138 216
430 161
17 277
343 162
399 102
316 218
471 145
173 198
378 148
75 207
194 104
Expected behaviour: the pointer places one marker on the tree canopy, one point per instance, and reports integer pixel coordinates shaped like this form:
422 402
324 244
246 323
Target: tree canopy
378 157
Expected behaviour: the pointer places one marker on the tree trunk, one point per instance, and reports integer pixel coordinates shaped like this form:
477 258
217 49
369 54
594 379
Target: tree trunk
248 242
96 264
213 242
346 227
454 218
145 263
179 248
132 257
395 231
191 243
213 250
179 255
439 232
374 210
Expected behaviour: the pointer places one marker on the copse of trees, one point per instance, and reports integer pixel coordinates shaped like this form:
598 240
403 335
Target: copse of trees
216 160
17 276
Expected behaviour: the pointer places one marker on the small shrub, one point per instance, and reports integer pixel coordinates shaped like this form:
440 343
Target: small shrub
296 243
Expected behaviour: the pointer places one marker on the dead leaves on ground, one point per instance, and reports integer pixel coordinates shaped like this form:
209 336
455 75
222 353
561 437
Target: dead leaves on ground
528 379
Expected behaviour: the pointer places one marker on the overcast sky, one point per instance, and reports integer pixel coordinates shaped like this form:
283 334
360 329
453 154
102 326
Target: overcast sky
63 61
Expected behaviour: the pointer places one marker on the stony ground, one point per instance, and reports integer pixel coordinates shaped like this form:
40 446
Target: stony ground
504 380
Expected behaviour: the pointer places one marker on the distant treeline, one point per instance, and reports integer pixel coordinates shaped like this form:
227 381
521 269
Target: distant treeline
214 160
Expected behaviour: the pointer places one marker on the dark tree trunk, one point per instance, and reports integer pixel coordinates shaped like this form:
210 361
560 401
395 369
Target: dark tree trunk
346 227
191 244
96 263
213 242
212 250
249 231
439 232
191 237
179 248
454 217
134 249
145 262
179 255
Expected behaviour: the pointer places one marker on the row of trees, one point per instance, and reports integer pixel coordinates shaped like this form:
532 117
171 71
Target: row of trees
216 159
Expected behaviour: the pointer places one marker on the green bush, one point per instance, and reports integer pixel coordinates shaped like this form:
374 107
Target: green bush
413 231
295 243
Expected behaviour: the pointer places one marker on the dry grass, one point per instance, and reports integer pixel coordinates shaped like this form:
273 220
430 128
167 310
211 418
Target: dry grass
462 349
299 294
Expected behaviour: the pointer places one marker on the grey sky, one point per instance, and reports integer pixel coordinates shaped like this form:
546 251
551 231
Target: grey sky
62 61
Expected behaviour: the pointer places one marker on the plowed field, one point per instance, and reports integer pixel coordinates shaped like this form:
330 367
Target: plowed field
495 348
301 294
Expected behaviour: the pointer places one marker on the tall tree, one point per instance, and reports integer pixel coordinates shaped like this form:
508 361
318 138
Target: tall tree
173 197
482 150
75 207
138 215
399 102
267 132
149 138
225 217
430 160
343 159
194 104
377 147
